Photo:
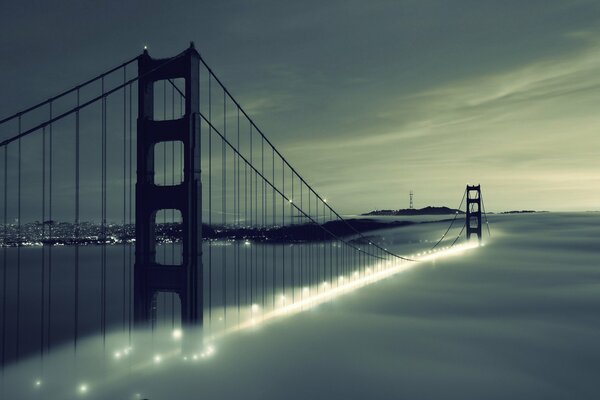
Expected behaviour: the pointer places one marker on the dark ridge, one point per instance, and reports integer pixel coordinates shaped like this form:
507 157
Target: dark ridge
429 210
522 212
63 233
302 233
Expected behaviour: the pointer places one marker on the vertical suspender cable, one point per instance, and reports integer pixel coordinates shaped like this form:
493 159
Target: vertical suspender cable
123 228
237 216
43 271
50 222
293 244
130 270
283 223
485 216
273 222
4 257
18 306
253 225
103 219
224 212
263 224
210 198
76 297
164 212
173 210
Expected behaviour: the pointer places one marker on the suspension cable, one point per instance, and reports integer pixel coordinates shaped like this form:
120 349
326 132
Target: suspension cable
277 191
284 160
89 102
73 89
485 216
452 223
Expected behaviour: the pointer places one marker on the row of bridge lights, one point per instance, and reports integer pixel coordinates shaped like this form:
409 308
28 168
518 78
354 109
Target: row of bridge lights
177 334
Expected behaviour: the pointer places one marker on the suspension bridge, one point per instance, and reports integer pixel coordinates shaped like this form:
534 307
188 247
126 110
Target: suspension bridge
147 196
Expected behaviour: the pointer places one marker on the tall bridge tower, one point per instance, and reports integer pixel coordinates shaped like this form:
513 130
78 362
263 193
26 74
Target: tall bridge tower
473 221
150 277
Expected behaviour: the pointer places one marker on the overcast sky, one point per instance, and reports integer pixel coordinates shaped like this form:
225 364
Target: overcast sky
367 99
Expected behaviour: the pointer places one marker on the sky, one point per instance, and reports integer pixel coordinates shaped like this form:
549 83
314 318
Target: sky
368 100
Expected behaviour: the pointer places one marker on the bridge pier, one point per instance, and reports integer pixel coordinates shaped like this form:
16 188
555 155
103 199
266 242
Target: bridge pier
473 215
150 277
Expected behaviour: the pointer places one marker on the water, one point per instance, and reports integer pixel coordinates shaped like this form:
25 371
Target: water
514 319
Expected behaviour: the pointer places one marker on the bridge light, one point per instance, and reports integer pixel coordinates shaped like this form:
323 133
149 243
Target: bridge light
83 388
255 307
157 359
324 200
38 383
177 334
145 47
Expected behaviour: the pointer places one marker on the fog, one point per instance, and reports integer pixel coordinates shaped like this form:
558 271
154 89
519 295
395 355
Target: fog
516 318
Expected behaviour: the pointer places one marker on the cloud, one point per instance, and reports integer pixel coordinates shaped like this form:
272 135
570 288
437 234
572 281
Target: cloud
529 127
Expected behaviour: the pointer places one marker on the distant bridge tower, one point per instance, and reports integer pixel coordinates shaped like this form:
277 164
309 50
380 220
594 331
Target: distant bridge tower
150 277
473 221
410 205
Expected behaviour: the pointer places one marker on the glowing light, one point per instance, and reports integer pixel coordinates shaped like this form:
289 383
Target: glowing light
177 334
38 383
312 300
247 243
83 388
117 355
324 200
145 47
255 307
195 356
209 350
157 359
291 201
325 284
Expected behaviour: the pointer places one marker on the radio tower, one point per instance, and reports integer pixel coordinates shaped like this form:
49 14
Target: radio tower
410 206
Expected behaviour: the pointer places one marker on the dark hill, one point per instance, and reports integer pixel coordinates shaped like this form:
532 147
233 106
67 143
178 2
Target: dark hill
429 210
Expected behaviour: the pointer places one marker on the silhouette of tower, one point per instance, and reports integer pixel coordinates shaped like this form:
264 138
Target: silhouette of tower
473 216
150 277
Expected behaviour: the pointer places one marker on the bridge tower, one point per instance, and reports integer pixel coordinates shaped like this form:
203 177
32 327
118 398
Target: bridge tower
150 277
473 221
